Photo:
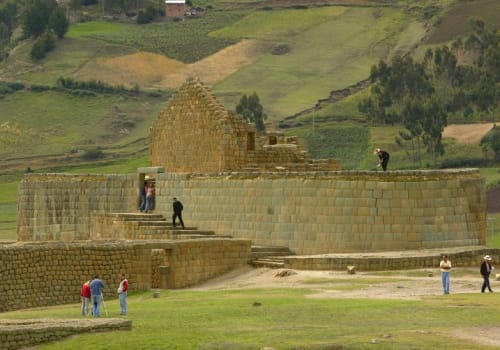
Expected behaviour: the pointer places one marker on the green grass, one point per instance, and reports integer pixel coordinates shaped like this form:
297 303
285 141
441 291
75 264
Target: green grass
286 319
57 122
330 55
93 28
187 41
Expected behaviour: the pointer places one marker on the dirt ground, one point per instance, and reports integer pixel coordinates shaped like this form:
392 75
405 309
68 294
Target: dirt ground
467 133
407 285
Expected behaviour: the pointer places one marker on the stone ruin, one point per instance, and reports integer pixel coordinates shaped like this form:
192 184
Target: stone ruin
238 190
194 133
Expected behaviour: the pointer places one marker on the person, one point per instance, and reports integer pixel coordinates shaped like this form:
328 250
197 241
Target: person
445 266
383 158
178 207
485 270
150 197
142 194
122 294
85 296
96 287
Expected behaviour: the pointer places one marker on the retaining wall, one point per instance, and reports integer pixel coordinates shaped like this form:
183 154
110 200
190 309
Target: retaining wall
310 212
51 273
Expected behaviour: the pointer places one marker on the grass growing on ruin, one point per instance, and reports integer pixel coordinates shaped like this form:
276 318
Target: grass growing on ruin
285 319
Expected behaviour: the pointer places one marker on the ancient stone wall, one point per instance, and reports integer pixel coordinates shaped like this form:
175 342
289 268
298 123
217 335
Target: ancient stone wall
60 206
195 133
310 212
314 213
51 273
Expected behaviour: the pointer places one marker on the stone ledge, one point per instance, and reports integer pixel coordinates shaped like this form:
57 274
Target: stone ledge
17 334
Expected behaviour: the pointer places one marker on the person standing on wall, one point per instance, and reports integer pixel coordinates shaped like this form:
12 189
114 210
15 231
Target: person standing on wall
85 296
383 158
150 197
445 266
96 287
177 207
122 294
485 270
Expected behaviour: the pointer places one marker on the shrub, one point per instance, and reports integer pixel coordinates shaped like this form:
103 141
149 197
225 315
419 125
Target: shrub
93 154
281 49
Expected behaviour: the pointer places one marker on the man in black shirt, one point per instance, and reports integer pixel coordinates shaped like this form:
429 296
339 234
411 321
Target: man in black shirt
383 157
177 206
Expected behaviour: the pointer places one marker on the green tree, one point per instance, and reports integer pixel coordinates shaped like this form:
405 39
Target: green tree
36 17
252 111
58 22
492 141
45 43
391 85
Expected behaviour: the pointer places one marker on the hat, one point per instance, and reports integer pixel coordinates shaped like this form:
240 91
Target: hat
487 257
146 177
377 150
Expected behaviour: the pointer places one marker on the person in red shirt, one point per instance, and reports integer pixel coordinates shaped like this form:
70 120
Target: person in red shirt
85 296
122 294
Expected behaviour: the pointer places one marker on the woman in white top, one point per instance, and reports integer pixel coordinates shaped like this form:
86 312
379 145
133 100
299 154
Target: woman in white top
445 266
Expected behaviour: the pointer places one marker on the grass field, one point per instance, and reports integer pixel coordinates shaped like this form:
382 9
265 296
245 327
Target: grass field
318 61
57 122
285 319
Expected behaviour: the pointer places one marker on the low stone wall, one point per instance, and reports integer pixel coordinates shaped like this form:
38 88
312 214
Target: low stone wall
309 212
20 334
44 274
467 257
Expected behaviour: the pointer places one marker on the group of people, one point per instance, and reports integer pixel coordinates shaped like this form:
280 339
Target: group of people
485 271
92 297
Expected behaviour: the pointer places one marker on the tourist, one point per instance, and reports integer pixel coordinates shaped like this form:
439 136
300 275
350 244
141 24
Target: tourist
445 266
383 158
122 294
96 287
142 195
486 268
85 296
150 197
177 206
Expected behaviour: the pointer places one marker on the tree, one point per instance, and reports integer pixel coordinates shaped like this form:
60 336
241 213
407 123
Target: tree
36 17
252 111
492 141
58 22
392 84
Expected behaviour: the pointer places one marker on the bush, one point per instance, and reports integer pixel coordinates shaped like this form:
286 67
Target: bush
45 43
281 49
464 162
93 154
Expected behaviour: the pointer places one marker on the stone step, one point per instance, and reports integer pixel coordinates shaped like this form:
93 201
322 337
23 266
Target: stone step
268 248
134 216
264 254
196 236
268 263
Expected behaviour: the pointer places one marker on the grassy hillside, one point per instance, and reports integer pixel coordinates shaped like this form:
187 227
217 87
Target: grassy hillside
55 122
333 48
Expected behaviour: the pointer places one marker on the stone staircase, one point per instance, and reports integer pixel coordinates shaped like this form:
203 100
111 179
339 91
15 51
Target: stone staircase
144 226
269 256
